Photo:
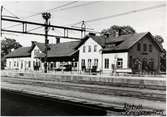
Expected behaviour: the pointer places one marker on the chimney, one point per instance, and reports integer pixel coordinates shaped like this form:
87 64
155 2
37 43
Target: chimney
117 33
92 34
12 49
33 43
57 40
106 35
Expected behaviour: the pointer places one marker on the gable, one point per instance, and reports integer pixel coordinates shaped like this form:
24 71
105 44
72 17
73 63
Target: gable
126 42
98 39
148 39
35 51
90 42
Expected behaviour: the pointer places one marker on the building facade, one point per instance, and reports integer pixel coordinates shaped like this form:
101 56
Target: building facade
90 55
32 58
138 52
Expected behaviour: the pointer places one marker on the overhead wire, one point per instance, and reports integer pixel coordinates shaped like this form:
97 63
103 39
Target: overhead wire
15 16
125 13
120 14
112 16
80 5
66 4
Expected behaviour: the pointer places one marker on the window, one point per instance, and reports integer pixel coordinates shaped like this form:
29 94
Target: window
36 51
17 63
106 64
29 63
130 61
25 63
95 48
83 62
34 63
150 48
151 64
89 48
84 49
89 63
39 63
75 64
21 64
54 64
14 63
138 46
144 47
95 62
119 62
9 64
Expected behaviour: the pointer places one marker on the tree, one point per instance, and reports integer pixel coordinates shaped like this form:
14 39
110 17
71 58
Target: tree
6 46
159 39
163 61
123 30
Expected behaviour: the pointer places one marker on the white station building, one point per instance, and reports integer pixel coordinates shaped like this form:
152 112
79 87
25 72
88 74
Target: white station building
136 52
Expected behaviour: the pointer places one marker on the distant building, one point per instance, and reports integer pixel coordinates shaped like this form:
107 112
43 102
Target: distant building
138 52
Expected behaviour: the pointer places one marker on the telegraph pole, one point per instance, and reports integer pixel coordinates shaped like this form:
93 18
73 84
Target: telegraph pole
1 19
83 26
46 16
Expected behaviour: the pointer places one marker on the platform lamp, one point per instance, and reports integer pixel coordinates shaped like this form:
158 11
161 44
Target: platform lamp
46 16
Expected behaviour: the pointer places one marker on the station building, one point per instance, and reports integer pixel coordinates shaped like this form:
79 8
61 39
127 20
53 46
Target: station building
32 58
138 52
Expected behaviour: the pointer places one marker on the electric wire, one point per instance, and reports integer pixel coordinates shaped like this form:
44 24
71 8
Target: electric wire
66 4
111 16
15 16
69 3
121 14
80 5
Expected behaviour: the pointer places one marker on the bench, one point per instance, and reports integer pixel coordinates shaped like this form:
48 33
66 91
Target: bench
123 71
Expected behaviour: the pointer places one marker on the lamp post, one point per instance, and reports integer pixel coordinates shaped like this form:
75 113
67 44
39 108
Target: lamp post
46 16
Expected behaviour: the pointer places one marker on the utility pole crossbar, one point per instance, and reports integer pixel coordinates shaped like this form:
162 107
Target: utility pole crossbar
39 34
40 24
25 29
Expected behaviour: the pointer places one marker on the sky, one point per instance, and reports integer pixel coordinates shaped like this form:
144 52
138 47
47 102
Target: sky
153 20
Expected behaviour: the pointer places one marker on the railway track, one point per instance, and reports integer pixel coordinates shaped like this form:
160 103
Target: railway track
156 95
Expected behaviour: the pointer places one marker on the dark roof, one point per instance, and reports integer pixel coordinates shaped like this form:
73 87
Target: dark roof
63 49
56 50
20 52
99 39
125 42
41 46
